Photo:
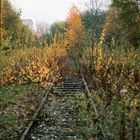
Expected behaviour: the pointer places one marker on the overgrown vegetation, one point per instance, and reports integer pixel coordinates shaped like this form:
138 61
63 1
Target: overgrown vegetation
103 45
32 65
17 104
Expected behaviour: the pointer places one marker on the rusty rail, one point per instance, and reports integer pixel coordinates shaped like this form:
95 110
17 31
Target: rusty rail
28 128
92 103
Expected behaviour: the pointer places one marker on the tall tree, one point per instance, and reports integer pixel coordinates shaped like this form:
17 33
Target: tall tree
93 19
75 34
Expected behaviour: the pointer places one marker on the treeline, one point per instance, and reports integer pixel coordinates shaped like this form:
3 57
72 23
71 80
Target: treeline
91 23
123 26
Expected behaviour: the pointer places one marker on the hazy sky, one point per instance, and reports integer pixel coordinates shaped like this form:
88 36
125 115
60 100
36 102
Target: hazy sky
47 10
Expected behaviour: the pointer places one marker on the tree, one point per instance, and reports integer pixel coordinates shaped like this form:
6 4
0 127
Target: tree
58 28
12 28
93 19
129 18
75 34
93 24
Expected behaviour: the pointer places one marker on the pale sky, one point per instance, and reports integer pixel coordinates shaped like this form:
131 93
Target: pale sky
47 10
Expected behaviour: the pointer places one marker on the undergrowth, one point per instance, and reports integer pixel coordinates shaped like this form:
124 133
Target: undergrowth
17 105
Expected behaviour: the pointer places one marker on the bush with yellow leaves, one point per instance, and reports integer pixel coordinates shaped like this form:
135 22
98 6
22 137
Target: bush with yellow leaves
37 65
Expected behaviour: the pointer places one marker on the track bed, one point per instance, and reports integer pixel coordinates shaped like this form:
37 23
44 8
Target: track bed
59 118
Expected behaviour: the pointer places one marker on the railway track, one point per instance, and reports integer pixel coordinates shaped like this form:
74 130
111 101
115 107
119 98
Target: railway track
63 113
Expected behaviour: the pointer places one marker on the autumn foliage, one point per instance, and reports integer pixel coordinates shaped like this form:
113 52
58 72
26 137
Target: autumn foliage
110 64
75 30
37 65
75 35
